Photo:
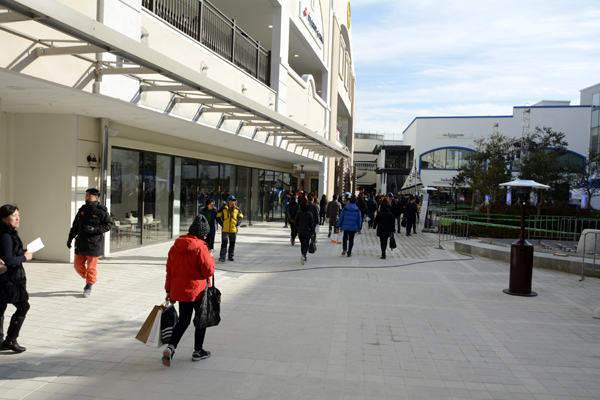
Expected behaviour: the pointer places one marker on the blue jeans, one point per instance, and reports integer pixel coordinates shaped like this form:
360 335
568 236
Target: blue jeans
348 246
227 237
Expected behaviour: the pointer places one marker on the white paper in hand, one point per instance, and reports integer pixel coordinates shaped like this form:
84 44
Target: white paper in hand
35 245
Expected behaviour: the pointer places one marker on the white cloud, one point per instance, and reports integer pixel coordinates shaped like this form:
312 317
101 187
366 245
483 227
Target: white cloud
469 57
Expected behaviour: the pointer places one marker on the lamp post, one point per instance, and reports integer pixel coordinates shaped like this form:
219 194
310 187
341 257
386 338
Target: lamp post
521 251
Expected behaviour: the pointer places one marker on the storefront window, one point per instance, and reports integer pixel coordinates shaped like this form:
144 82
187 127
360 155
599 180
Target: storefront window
125 198
227 182
156 203
243 185
187 193
450 158
208 183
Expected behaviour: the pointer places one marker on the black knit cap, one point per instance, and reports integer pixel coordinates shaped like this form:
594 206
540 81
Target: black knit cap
200 227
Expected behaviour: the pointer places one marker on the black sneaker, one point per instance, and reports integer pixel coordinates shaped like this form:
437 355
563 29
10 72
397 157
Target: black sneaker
383 257
349 255
87 290
200 355
344 252
230 258
221 259
168 356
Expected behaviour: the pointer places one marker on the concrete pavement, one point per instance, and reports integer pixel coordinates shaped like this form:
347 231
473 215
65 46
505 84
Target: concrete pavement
423 324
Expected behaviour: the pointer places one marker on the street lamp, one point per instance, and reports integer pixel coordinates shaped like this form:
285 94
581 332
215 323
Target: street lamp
521 251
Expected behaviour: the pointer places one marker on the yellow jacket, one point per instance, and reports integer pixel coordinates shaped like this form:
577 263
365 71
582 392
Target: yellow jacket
228 219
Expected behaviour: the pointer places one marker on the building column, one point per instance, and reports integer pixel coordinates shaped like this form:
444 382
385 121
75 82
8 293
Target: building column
381 178
323 177
279 54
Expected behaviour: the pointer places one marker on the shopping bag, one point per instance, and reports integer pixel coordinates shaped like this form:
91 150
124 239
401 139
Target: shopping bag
367 219
403 222
334 238
168 319
393 242
149 333
209 313
312 246
340 236
318 229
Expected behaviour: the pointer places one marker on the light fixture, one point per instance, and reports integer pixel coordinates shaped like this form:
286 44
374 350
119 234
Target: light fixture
270 26
296 55
93 161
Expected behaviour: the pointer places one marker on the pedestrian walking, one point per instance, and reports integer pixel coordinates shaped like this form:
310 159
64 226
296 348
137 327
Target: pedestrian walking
334 208
350 221
371 209
385 223
210 212
397 210
13 288
305 224
288 198
292 210
229 217
89 226
313 208
189 267
323 208
410 214
362 206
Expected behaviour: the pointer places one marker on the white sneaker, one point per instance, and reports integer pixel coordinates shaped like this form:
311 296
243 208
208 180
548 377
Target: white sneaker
301 260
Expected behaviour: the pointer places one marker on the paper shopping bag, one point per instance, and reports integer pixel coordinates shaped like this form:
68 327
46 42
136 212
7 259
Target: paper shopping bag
146 331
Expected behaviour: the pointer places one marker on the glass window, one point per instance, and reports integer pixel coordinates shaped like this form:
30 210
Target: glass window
427 160
157 204
596 99
227 181
243 185
571 161
208 183
595 118
595 139
125 198
439 159
452 156
187 193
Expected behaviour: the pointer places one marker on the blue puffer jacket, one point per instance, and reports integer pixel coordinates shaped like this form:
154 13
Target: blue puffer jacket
350 218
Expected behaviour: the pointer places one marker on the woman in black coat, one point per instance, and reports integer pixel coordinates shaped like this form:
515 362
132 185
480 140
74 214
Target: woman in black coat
305 224
323 208
13 282
292 210
385 224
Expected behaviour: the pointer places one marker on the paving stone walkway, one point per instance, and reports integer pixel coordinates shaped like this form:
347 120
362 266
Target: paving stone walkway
423 324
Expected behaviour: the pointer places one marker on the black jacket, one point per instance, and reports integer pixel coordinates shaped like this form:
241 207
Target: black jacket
13 283
90 223
315 210
397 208
362 206
385 223
333 210
292 210
323 206
305 223
410 211
371 207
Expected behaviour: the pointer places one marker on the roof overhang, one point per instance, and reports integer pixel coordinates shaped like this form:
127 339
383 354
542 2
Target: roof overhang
143 60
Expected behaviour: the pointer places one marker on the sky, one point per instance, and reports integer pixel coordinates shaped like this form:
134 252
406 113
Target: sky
418 58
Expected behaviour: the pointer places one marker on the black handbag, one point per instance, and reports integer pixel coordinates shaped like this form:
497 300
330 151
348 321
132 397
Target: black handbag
312 247
393 242
403 222
209 313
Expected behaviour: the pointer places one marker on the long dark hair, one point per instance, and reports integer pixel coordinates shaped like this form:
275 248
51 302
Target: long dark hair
304 205
7 210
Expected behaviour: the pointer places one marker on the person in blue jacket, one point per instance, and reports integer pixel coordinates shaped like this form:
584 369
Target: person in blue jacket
350 221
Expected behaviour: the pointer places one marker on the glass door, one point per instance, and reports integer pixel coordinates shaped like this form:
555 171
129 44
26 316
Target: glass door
125 198
243 191
208 183
188 193
156 205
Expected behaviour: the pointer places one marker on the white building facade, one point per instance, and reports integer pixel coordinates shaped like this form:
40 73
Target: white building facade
164 104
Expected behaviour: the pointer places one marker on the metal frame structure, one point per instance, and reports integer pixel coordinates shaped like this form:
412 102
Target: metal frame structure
137 61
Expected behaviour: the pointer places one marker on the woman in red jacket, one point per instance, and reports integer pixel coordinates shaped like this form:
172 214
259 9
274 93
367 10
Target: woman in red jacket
188 267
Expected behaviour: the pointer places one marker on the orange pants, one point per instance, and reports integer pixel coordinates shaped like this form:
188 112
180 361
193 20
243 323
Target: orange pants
89 273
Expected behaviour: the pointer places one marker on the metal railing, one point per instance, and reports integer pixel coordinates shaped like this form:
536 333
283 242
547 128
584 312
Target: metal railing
552 227
365 165
342 135
451 227
203 22
589 251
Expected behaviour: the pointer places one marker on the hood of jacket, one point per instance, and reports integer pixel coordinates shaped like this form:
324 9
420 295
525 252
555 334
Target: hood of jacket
351 207
187 243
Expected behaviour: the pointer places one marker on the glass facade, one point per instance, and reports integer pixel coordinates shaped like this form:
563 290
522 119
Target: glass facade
155 197
448 158
595 129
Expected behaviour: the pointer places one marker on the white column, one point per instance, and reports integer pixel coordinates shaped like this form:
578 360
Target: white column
279 54
381 178
323 172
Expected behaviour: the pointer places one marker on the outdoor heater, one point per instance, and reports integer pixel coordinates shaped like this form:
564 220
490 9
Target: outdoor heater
521 251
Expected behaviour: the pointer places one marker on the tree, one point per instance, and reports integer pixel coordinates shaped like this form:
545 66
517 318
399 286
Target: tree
486 169
540 162
587 177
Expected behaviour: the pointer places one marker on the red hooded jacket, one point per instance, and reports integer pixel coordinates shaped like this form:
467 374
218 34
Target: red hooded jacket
188 266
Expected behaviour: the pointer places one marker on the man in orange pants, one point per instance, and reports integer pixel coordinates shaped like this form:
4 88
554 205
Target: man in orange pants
90 224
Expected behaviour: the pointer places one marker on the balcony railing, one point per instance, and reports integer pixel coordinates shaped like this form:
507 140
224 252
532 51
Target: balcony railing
342 136
365 165
210 27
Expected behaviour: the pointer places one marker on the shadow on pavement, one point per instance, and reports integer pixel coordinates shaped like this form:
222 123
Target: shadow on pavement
57 294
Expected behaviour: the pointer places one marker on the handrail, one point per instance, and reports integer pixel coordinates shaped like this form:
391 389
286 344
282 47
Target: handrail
210 27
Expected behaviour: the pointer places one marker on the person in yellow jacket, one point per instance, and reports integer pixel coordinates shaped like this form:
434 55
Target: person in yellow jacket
229 217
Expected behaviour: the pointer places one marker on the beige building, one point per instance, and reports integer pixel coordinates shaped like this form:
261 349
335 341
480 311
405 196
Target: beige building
163 104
